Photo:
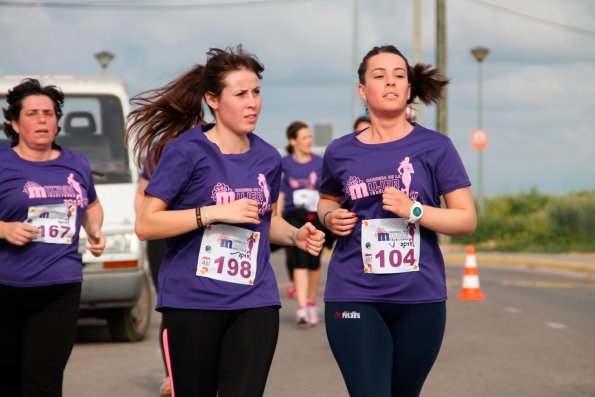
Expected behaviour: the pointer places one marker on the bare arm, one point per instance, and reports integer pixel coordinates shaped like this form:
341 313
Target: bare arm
339 221
92 222
457 219
140 193
306 238
281 203
154 221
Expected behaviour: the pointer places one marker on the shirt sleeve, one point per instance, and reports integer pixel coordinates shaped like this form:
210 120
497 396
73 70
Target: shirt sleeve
276 182
328 182
88 175
450 171
171 175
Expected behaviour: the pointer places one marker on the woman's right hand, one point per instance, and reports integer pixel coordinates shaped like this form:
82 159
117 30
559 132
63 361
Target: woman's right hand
340 221
18 233
239 211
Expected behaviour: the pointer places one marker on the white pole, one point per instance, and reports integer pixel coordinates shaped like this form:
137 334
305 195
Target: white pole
417 43
354 97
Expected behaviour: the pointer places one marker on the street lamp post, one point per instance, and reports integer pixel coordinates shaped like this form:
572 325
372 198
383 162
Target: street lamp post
104 58
480 53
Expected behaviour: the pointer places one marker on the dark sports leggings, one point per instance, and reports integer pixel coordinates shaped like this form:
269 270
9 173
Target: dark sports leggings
295 257
385 349
156 250
38 331
224 352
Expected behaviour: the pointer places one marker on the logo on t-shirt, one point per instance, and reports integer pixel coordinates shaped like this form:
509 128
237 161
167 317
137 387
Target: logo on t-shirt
224 194
358 188
303 183
72 193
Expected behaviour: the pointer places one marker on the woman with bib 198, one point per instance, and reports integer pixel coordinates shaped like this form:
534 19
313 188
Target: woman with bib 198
213 196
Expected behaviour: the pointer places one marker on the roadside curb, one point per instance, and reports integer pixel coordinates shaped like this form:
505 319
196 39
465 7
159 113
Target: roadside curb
521 260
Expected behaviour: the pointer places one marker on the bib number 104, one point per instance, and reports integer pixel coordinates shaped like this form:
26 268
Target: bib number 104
233 267
395 258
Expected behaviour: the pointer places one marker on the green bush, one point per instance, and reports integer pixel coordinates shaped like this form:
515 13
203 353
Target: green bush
535 222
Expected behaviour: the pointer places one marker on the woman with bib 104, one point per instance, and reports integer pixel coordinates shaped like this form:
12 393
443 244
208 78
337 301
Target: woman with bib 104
380 194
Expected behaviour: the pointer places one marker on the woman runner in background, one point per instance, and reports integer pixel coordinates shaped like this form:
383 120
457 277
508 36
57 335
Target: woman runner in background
299 195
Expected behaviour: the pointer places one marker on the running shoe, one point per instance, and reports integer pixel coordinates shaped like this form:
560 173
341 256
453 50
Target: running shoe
165 388
301 316
313 315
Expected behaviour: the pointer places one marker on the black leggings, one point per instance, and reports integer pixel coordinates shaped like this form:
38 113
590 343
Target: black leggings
38 332
295 257
385 349
224 352
156 250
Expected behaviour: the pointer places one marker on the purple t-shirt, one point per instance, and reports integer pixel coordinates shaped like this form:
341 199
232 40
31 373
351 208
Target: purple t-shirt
299 176
424 165
27 186
192 172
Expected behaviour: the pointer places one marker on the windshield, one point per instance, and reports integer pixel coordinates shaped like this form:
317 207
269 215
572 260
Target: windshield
94 126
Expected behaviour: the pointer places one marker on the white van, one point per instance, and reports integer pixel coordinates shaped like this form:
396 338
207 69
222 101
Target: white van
115 285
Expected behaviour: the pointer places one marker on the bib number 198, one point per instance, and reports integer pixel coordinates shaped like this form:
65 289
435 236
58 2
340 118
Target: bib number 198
233 267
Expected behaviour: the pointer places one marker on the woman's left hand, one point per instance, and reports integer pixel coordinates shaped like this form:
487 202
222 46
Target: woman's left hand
397 202
96 243
309 239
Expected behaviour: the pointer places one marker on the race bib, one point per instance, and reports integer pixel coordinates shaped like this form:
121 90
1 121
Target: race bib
306 198
228 253
56 223
390 246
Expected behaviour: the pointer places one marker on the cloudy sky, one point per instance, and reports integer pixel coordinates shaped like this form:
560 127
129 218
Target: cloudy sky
538 79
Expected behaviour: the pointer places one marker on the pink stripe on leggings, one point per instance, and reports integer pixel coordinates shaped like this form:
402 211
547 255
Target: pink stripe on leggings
168 361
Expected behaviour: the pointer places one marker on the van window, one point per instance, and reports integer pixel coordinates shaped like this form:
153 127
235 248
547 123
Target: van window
94 126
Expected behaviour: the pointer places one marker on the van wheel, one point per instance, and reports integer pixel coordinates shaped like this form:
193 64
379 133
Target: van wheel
130 324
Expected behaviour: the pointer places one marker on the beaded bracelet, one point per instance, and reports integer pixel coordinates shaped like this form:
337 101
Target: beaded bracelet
207 221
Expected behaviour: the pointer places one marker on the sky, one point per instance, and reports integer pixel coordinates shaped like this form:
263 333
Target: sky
538 79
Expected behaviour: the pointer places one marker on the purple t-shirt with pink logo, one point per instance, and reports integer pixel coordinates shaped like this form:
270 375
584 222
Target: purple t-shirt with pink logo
29 184
299 176
424 165
192 172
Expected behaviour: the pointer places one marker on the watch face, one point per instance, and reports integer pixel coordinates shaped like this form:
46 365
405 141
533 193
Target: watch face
417 212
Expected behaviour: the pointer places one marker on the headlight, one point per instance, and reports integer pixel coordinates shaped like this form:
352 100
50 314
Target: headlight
118 243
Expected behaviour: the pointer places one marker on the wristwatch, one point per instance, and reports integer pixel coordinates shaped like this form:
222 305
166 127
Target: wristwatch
415 213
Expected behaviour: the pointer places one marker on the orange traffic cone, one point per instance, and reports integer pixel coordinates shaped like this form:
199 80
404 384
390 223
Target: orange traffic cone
471 291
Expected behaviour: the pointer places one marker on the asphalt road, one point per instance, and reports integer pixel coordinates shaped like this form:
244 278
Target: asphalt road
534 335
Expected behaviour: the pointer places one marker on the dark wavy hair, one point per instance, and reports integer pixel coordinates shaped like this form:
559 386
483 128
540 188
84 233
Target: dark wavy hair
292 131
165 113
360 119
427 83
18 93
